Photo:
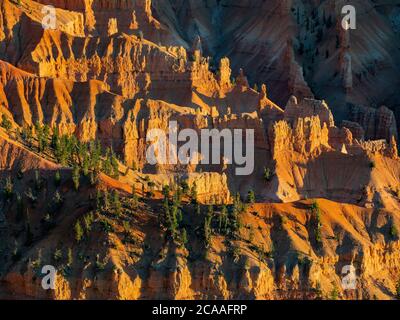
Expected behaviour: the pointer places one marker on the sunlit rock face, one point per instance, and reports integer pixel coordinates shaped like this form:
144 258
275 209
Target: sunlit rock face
322 104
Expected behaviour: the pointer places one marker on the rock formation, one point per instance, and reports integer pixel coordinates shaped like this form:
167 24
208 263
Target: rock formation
77 103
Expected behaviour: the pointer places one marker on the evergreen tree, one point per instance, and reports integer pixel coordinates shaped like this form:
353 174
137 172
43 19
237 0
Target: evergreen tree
115 166
198 209
106 201
398 290
193 193
8 189
135 198
207 231
267 174
210 211
98 201
107 166
184 237
5 122
57 179
116 203
87 223
76 176
151 186
57 201
78 231
185 187
70 258
165 218
55 139
251 198
93 175
166 191
85 165
223 219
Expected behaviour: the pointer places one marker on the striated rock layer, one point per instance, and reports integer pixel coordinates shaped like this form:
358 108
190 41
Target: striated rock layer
112 71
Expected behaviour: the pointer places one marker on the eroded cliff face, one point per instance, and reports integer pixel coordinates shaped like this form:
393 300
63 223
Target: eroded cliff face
113 71
295 46
116 87
275 254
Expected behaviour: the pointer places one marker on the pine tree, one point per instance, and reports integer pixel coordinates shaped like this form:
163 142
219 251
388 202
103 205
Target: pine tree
151 186
98 201
5 122
78 231
85 165
87 223
223 219
107 166
251 198
70 258
210 211
93 178
46 136
57 201
166 191
8 189
198 209
76 176
115 166
57 179
135 199
165 218
207 231
106 200
193 193
116 203
55 139
184 237
267 174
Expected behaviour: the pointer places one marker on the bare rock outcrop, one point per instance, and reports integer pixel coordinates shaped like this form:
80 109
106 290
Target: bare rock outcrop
303 108
378 123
